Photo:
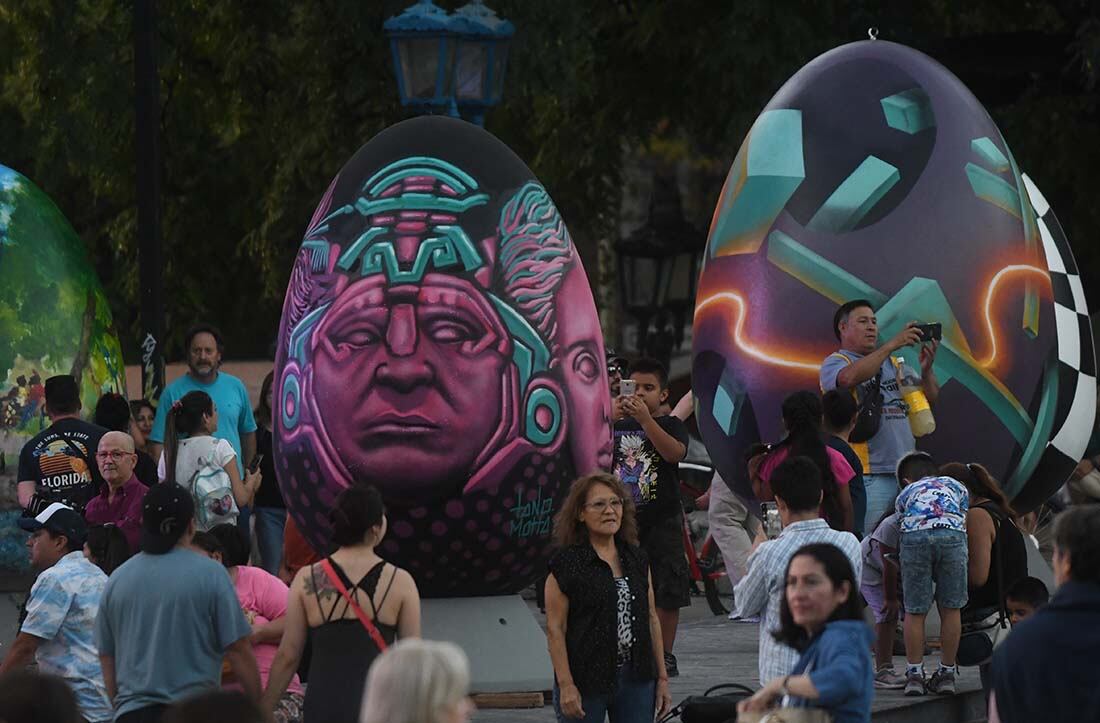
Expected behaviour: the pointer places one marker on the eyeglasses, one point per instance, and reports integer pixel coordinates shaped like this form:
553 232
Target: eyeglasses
615 503
113 454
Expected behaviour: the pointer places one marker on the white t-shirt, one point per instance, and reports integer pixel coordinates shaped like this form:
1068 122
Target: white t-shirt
190 450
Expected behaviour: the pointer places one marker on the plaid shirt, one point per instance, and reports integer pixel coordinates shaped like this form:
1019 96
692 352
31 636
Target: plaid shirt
760 590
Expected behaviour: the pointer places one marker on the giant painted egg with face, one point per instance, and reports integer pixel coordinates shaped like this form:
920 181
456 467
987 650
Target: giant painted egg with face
875 174
54 319
439 340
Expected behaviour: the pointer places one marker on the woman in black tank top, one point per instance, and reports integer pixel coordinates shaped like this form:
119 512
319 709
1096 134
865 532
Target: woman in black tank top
343 646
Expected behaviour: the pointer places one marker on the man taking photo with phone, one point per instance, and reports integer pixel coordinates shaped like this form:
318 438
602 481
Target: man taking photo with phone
870 373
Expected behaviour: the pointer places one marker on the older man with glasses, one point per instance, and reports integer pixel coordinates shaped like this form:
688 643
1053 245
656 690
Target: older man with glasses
119 503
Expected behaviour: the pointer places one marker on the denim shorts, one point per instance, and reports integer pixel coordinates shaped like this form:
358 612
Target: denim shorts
936 556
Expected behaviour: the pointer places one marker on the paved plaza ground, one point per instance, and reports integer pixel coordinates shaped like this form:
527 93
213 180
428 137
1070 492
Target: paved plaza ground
713 650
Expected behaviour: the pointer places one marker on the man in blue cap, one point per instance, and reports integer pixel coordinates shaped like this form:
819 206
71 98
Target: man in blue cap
62 608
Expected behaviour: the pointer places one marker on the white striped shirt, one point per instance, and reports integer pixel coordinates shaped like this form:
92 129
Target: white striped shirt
761 589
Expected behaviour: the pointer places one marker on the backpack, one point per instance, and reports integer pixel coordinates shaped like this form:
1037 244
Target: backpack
869 414
212 491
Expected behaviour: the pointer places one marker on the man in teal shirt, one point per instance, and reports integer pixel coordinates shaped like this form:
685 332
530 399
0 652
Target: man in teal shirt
235 422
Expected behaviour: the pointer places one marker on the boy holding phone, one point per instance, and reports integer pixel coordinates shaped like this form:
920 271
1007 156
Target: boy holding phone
648 448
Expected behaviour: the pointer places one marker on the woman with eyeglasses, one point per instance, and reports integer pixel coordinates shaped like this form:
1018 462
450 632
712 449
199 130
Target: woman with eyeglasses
601 623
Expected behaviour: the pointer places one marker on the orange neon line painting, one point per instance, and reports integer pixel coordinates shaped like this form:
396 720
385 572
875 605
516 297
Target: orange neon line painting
726 298
987 309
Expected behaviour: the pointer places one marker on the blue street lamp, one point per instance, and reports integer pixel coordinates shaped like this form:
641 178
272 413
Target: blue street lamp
450 63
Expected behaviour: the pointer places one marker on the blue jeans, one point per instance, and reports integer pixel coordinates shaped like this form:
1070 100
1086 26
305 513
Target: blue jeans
632 702
933 556
881 490
270 522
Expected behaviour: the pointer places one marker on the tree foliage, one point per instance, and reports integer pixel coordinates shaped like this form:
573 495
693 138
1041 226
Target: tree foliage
262 102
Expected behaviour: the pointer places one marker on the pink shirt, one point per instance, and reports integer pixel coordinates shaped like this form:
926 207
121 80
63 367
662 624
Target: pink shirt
842 471
263 598
124 511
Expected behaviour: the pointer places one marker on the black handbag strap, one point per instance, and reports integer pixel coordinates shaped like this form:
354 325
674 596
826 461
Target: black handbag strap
733 687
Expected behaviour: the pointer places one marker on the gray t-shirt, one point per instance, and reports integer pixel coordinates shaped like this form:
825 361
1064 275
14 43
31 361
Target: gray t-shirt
894 439
167 620
887 533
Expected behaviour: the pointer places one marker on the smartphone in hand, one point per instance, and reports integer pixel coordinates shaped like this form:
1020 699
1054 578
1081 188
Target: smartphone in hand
627 387
255 464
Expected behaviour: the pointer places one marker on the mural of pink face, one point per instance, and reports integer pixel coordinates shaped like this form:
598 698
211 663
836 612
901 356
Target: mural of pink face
584 373
414 374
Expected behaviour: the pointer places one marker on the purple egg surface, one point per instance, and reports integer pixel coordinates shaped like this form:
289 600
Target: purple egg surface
874 173
439 340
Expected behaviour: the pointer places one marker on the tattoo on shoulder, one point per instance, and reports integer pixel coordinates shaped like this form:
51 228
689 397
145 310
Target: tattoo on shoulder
318 585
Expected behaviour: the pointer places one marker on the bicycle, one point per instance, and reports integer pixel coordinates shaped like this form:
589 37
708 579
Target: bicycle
705 563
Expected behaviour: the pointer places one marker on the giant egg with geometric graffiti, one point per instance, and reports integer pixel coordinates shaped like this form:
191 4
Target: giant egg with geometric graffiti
439 340
874 173
54 319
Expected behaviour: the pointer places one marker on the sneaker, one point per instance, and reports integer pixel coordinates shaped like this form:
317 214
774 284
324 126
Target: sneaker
887 679
942 682
914 683
748 619
670 665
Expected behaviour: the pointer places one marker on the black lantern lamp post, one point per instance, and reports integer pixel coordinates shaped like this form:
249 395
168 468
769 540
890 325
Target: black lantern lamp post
658 271
450 63
481 58
423 56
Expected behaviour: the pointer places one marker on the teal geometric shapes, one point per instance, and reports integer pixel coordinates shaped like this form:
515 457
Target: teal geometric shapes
923 300
728 399
1044 424
993 189
818 273
855 196
988 151
767 171
448 173
909 111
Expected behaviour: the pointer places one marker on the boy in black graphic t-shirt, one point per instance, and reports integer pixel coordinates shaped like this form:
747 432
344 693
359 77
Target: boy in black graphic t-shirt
647 452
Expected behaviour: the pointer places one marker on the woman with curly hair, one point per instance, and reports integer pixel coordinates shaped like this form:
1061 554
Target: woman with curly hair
601 623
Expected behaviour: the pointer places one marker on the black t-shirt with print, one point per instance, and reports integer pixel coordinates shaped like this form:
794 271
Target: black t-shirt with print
61 461
653 483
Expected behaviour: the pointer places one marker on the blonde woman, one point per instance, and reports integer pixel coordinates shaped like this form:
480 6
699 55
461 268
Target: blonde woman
418 681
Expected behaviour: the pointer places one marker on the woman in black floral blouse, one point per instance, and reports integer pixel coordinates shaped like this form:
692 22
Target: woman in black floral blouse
601 624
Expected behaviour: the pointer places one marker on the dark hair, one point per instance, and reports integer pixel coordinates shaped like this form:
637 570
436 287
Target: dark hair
356 510
202 329
839 407
137 405
234 548
1030 590
184 418
797 481
802 416
569 530
845 309
112 412
647 365
1077 536
108 546
915 466
30 696
62 394
207 542
980 483
262 412
839 570
214 706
